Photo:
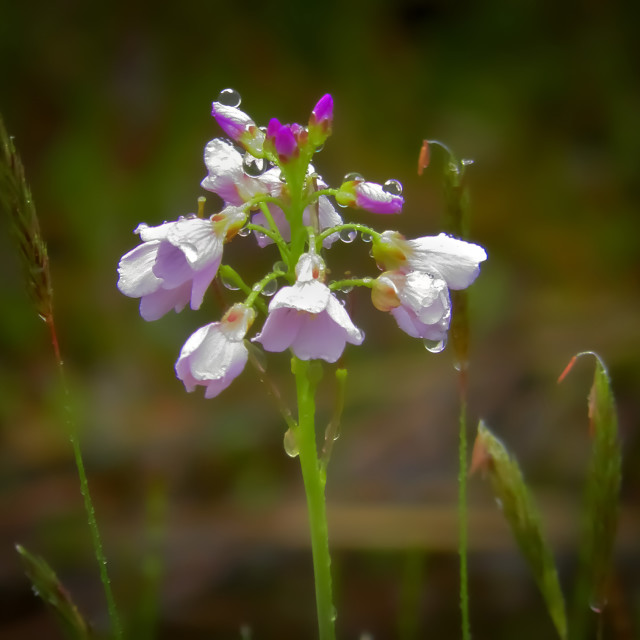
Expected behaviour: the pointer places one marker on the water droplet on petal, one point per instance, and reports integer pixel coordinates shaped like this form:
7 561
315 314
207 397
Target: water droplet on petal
348 235
254 167
435 346
228 283
244 232
270 288
353 176
281 177
229 98
291 444
394 187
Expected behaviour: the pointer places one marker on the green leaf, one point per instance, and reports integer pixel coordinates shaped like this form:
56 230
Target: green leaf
46 585
601 496
522 516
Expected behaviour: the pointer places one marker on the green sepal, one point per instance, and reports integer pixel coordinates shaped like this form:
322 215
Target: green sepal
45 584
519 510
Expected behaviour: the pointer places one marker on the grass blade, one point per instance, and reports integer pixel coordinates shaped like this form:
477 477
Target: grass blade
518 507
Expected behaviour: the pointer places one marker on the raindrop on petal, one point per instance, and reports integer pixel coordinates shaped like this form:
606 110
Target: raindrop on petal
254 167
229 98
348 235
434 346
270 288
291 444
353 177
394 187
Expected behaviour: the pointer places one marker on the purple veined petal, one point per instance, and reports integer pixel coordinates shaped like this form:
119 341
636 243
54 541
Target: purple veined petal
457 261
224 164
280 329
197 240
136 277
411 324
232 120
201 281
155 305
171 266
319 337
340 316
372 197
309 297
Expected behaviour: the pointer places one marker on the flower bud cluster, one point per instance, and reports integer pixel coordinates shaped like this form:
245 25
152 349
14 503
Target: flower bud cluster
271 190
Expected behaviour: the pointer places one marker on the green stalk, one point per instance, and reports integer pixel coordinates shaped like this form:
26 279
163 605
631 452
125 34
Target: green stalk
314 478
116 625
463 520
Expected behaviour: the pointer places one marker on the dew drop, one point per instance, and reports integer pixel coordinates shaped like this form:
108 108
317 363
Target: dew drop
597 606
280 266
244 232
366 237
348 235
318 149
465 162
282 178
291 444
434 346
254 167
229 98
353 176
454 168
270 288
347 288
394 187
227 283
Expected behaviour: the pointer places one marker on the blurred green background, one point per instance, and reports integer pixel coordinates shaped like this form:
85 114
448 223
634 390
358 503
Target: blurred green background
109 104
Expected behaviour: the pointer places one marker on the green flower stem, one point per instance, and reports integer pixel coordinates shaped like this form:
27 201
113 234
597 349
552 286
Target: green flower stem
362 228
116 625
463 520
351 282
314 477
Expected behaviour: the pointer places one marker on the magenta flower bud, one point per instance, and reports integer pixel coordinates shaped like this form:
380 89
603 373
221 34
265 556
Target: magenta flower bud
323 111
321 120
273 128
369 196
286 143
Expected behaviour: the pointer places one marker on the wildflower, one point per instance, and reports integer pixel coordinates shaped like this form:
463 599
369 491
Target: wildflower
369 196
308 318
176 262
457 262
216 354
418 301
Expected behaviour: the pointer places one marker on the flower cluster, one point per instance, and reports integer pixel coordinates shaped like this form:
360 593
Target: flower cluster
270 189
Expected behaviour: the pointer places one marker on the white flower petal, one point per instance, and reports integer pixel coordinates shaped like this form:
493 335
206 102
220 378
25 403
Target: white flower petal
455 260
